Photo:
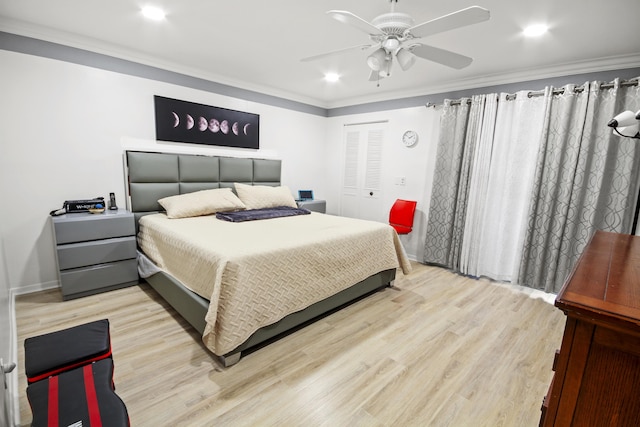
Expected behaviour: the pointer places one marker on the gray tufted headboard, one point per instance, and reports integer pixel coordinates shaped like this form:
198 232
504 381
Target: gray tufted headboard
152 176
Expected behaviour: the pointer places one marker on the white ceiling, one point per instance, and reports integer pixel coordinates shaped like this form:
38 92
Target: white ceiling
257 45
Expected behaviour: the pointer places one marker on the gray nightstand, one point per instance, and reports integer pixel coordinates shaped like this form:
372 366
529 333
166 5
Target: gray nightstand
313 205
95 252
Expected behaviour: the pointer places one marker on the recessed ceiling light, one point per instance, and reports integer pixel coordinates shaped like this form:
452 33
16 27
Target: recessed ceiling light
332 77
153 12
535 30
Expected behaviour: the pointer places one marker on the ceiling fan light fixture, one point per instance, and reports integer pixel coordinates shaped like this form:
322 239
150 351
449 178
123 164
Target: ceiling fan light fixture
391 44
376 60
405 58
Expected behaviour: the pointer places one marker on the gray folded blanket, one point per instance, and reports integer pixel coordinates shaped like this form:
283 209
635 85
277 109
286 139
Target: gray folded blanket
266 213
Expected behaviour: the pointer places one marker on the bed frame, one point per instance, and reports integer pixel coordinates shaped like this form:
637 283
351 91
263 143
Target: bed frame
152 176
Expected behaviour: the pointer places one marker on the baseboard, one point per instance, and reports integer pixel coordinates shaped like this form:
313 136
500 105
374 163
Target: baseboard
30 289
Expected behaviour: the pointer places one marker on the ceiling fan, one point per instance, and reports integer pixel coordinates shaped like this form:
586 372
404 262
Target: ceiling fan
394 35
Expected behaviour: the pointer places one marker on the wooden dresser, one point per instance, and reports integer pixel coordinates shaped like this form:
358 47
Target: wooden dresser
597 370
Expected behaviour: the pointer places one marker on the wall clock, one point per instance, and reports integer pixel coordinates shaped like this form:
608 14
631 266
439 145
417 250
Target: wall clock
410 138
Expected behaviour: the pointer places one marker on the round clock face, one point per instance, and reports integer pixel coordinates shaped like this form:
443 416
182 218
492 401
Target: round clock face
409 138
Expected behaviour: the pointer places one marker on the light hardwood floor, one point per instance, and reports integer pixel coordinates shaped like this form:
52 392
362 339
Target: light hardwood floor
438 349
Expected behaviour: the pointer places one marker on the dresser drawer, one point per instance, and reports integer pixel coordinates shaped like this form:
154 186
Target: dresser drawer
82 254
545 404
83 227
80 280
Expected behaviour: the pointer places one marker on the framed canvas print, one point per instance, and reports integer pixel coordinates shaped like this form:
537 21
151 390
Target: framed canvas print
183 121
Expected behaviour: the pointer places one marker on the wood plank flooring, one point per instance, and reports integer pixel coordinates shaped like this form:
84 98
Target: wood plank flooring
438 349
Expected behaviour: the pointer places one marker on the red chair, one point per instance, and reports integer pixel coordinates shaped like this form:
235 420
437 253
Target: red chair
401 215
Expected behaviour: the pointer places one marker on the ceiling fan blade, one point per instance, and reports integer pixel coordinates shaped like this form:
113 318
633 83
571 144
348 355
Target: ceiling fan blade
441 56
355 21
335 52
461 18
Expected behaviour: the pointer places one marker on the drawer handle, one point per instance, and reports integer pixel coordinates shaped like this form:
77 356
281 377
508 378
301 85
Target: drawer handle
555 360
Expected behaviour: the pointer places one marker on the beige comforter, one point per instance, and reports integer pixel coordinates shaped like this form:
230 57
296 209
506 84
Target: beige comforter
255 273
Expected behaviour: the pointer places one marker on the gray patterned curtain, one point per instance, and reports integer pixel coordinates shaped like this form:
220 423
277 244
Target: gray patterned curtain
459 126
586 179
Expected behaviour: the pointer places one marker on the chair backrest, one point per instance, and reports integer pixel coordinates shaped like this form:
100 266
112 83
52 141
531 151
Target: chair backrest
401 215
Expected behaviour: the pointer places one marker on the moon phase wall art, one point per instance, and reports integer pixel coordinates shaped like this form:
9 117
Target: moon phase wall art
182 121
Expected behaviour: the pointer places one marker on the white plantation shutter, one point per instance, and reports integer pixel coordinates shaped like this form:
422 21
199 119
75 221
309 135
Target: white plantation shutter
373 164
362 171
352 144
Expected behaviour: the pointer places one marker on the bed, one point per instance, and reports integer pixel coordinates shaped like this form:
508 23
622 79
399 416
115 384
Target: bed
243 284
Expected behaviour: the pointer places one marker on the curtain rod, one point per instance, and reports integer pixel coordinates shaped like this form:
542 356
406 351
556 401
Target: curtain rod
531 94
366 123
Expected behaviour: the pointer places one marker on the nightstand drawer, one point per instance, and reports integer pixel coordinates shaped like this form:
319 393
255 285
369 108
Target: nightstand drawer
82 254
83 227
81 280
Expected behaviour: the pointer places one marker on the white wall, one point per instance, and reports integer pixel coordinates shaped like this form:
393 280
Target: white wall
415 163
63 128
62 131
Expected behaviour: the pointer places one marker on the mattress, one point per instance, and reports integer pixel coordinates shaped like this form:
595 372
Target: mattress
257 272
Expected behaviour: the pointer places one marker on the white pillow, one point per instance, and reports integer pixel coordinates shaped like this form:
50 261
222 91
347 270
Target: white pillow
204 202
264 196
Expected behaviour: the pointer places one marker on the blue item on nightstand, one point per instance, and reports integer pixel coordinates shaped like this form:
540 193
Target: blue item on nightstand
305 194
